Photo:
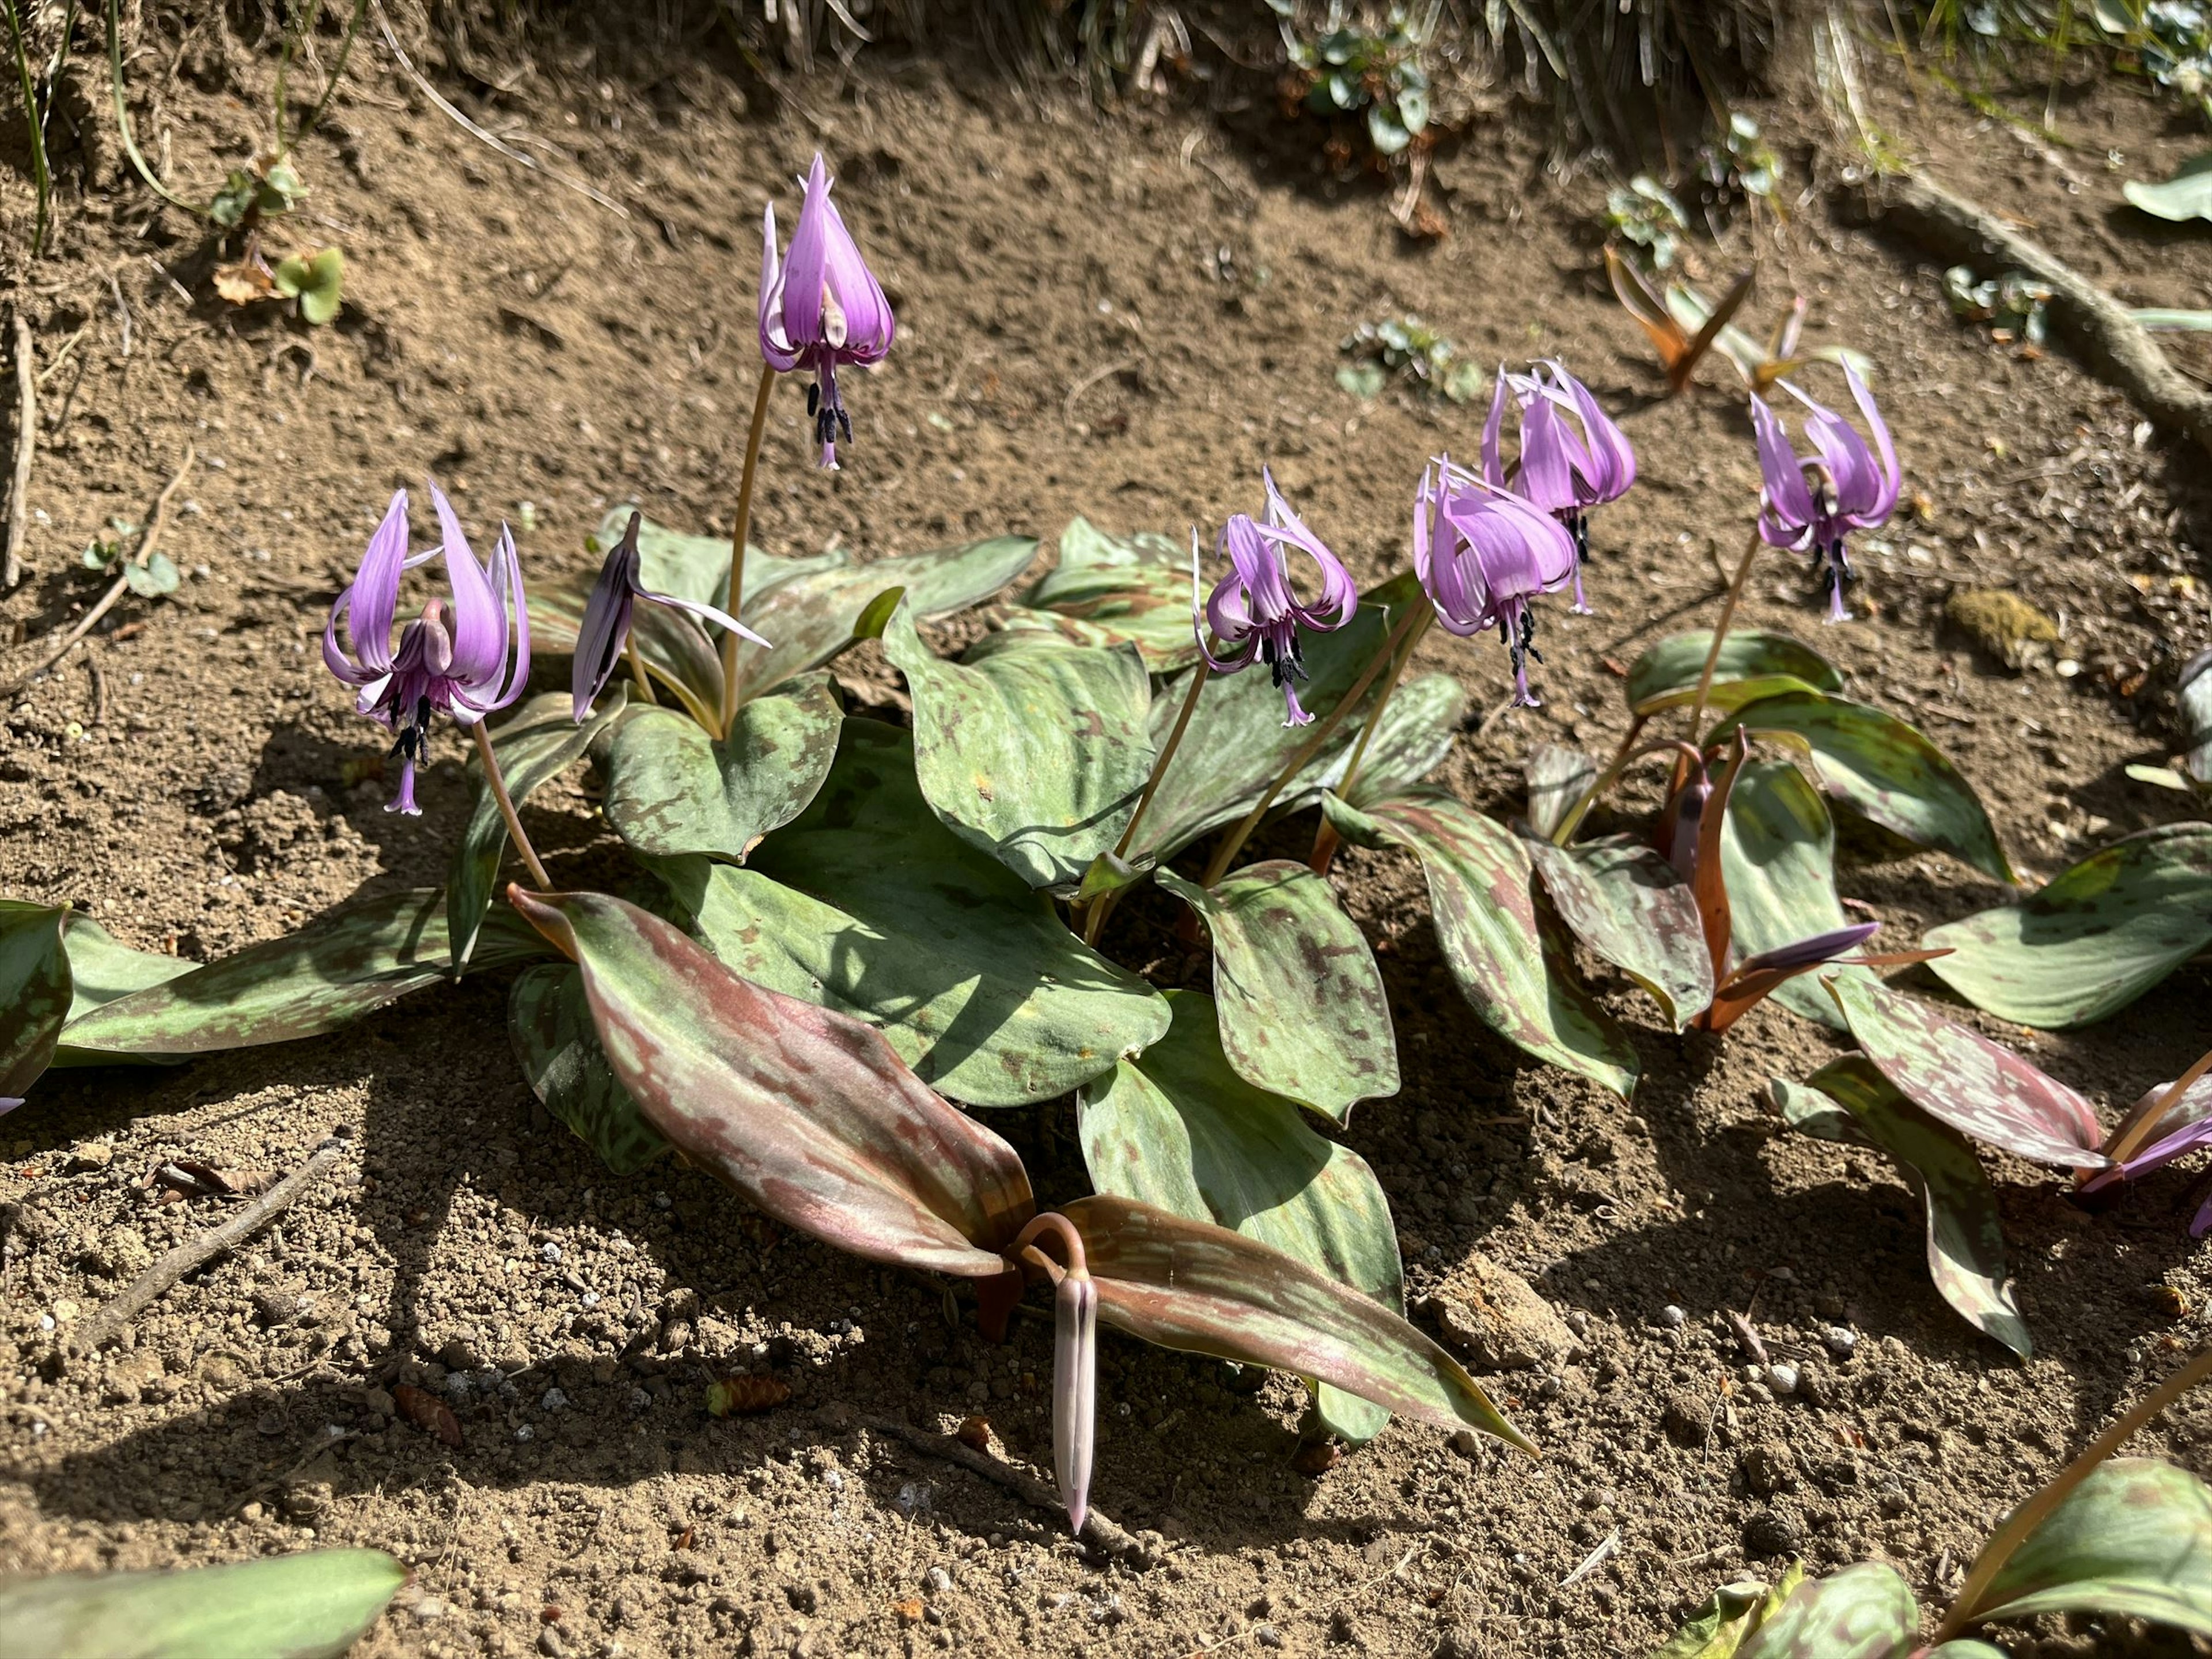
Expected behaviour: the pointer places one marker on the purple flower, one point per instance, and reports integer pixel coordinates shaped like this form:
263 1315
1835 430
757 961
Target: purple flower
1808 504
605 627
2188 1125
1811 952
1564 474
1481 553
1075 1389
454 657
820 308
1255 607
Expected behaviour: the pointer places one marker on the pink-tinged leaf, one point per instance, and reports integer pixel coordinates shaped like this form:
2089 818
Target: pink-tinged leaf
1865 1611
807 1112
1627 904
1192 1285
1707 877
34 991
1978 1087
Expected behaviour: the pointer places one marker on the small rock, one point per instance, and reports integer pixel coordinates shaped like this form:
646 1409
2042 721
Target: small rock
381 1403
1769 1534
937 1580
1463 1441
1672 1316
1768 1468
554 1400
90 1155
461 1354
549 1643
273 1307
1267 1636
1495 1317
1782 1377
1839 1341
1688 1419
549 1252
430 1608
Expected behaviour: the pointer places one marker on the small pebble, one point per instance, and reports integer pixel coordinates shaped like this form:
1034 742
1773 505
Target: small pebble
938 1579
554 1400
638 1400
1840 1341
1782 1378
526 1433
1671 1315
551 1252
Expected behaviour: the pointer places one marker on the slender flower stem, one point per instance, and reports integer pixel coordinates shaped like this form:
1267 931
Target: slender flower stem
1306 750
1603 781
737 595
1720 631
637 668
1966 1609
2132 1134
1070 1243
498 783
1103 907
1326 838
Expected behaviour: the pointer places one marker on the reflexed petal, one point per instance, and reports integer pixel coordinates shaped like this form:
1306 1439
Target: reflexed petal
1493 459
807 262
1266 597
1547 474
1876 507
704 612
479 637
1608 466
1788 512
371 602
775 345
1339 594
604 628
507 563
1806 952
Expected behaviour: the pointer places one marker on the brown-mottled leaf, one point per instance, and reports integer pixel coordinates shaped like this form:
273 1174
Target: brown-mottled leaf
1481 898
1865 1611
1203 1289
34 993
2133 1541
807 1112
1778 862
1114 589
1302 1005
1729 1616
672 789
2101 934
102 967
1627 904
1748 657
1966 1237
550 1026
1557 777
1978 1087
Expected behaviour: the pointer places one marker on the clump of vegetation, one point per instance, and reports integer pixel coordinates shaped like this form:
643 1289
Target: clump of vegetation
1372 76
1409 350
2013 305
1644 212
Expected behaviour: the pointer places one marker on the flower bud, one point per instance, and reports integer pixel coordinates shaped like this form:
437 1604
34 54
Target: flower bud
1074 1390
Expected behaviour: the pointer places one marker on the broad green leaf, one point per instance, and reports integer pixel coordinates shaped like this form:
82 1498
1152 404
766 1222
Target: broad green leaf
1558 778
330 973
1966 1238
811 618
312 1605
1414 739
1627 903
1883 769
1980 1088
2101 934
559 1052
673 789
1031 748
805 1112
1114 590
1724 697
2186 195
698 568
2133 1541
102 968
156 578
1748 656
1303 1009
1237 742
1865 1611
1731 1614
1482 901
315 280
542 741
870 905
1177 1127
1191 1285
1779 863
34 993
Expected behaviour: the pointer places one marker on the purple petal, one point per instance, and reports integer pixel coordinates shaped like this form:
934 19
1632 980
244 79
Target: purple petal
776 346
1339 594
868 324
1610 461
1876 508
606 626
479 616
1810 953
807 262
506 560
1787 513
1546 475
1493 459
370 603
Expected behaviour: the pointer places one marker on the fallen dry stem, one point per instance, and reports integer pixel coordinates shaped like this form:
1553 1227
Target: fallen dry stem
1097 1530
19 494
105 1325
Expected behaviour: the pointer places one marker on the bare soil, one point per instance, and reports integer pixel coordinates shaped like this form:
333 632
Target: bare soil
1123 315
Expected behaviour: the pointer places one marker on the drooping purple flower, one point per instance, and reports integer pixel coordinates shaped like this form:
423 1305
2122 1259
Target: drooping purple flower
1481 553
1075 1389
1254 612
1809 503
821 306
454 658
605 627
1564 473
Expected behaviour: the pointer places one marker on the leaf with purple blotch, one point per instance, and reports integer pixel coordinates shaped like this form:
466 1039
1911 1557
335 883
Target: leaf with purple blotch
2133 1541
1302 1006
1966 1238
805 1112
1978 1087
1864 1612
34 993
1778 860
1627 904
2098 936
1557 777
1750 664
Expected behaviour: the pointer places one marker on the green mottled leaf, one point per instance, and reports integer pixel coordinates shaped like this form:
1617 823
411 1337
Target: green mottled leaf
1779 863
312 1605
1557 777
1978 1087
1882 770
805 1112
1191 1285
2187 195
672 789
550 1026
1413 739
330 973
2133 1541
1031 748
871 906
1303 1009
1724 697
1482 901
1627 903
1114 589
542 741
1177 1127
2097 937
1747 657
34 993
1966 1238
102 968
1731 1614
1865 1611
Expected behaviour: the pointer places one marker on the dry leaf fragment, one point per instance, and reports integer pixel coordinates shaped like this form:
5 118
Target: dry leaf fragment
975 1432
744 1395
908 1609
426 1411
243 283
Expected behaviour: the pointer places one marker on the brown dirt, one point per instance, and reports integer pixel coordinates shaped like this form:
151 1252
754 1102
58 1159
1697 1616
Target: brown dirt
1123 316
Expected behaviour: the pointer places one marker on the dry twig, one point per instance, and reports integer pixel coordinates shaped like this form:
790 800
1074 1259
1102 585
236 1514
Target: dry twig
27 438
105 1325
1097 1530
